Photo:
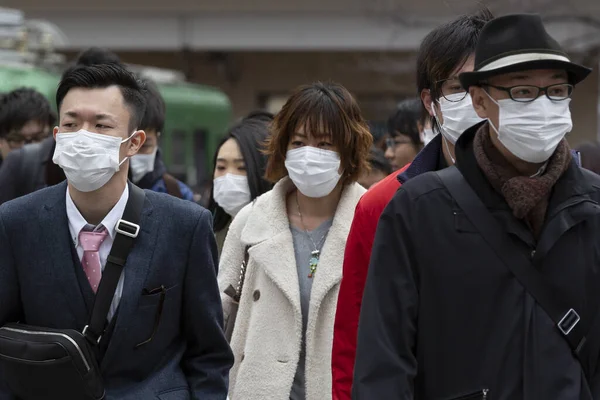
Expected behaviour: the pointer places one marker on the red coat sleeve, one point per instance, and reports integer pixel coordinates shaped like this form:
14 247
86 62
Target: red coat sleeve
345 331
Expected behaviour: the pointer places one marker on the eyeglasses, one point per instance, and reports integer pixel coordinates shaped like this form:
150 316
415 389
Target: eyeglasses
452 90
393 143
17 139
528 93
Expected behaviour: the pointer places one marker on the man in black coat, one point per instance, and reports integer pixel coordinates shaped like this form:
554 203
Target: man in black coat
446 314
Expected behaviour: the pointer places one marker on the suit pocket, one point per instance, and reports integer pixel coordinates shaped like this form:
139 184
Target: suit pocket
157 309
182 393
152 297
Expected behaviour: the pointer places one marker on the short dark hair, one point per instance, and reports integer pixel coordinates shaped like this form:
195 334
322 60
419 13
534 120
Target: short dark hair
250 134
261 115
154 116
22 105
406 120
379 162
97 55
446 48
103 76
321 106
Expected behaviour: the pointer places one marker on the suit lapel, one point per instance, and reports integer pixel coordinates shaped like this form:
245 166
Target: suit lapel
54 226
136 270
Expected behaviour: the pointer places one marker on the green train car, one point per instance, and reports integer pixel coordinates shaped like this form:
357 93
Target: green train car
197 117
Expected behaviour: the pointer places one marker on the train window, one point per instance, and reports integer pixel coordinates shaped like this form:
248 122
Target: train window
177 166
200 157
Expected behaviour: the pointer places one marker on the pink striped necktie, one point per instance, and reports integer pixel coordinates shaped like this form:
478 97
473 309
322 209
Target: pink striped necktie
92 266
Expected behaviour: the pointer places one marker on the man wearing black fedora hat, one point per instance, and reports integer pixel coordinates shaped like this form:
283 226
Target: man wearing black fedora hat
507 305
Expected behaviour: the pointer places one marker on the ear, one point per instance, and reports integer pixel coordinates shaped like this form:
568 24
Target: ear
137 141
55 132
480 101
426 99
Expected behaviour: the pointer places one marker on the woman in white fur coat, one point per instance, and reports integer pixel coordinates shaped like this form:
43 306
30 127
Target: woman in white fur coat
295 235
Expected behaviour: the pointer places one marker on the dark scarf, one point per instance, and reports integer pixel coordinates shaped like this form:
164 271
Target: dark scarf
527 197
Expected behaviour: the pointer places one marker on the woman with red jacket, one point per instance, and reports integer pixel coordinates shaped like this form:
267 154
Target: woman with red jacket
444 54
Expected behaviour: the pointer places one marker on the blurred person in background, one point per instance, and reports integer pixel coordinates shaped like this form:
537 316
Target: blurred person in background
590 156
444 53
380 135
26 119
404 130
30 168
147 170
293 239
239 170
380 169
97 55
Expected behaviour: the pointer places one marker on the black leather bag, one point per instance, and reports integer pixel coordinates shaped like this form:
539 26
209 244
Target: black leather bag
41 363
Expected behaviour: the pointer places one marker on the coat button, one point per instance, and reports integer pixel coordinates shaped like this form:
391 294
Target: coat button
256 295
532 254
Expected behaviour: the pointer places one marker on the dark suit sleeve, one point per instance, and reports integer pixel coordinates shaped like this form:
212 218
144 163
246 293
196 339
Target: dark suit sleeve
9 176
386 363
208 357
9 291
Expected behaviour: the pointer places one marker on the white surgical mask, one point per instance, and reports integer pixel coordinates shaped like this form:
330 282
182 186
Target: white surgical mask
88 159
141 164
458 116
231 193
315 172
532 131
428 135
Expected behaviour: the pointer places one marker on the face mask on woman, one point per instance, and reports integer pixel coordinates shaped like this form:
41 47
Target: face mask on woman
315 172
231 193
88 159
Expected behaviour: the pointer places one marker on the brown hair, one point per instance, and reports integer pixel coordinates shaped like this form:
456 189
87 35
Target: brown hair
326 108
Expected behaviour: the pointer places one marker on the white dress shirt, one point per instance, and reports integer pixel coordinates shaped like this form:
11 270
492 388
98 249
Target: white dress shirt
77 223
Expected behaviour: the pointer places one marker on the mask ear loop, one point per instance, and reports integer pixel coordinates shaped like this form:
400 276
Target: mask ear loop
126 140
444 139
489 120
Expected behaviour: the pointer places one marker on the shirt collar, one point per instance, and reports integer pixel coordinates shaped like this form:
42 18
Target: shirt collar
77 223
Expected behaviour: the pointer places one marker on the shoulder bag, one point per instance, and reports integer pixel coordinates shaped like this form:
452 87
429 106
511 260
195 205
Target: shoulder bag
51 364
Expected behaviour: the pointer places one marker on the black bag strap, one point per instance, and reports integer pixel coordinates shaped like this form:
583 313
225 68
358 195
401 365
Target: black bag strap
127 229
566 318
236 293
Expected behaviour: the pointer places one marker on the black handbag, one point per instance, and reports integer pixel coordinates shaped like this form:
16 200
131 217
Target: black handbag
230 309
51 364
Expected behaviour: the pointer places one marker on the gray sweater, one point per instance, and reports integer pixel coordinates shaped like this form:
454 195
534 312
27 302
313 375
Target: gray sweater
303 247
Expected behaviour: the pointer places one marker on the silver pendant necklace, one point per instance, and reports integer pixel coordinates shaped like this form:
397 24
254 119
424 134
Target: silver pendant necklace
316 253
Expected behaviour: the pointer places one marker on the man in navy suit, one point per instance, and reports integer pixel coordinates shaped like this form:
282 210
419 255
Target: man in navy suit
164 338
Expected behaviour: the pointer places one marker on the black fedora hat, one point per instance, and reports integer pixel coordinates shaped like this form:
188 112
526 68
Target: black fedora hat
518 42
